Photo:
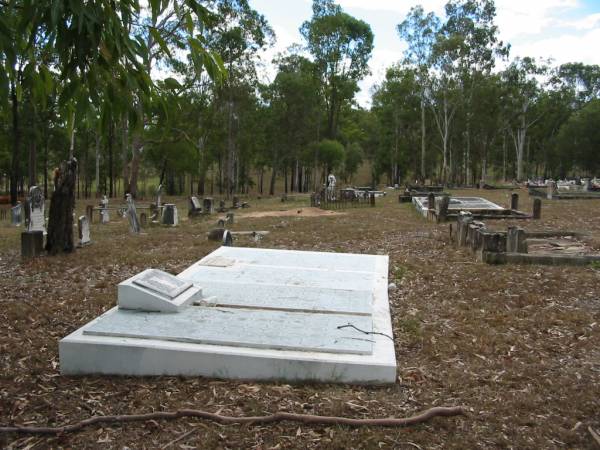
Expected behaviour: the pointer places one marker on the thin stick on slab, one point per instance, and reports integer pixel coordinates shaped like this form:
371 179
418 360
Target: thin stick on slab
254 420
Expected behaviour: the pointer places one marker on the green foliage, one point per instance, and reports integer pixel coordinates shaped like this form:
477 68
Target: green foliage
579 138
341 46
330 153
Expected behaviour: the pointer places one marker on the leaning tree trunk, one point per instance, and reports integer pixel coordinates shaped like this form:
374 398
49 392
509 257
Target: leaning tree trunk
60 218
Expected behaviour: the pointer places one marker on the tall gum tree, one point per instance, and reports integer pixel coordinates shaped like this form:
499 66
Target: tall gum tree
341 47
419 31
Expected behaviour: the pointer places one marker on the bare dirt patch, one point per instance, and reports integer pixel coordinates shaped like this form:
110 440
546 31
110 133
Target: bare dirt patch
296 212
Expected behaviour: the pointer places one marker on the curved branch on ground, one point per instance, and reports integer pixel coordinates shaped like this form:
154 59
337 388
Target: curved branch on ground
229 420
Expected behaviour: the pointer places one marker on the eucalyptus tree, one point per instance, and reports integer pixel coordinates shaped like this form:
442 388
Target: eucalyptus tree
296 105
523 90
396 104
419 31
466 44
578 140
341 47
238 35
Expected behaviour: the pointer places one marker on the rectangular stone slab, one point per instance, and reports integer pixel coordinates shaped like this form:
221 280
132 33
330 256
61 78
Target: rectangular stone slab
351 262
292 298
276 330
243 274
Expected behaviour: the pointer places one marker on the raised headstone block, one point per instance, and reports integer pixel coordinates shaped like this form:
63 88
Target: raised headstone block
32 243
516 240
537 208
155 290
227 239
514 201
170 216
208 205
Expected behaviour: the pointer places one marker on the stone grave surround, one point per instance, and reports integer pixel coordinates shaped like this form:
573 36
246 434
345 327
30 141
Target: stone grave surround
261 314
458 204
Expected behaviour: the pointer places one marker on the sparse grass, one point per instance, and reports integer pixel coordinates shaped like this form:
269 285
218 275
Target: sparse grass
517 345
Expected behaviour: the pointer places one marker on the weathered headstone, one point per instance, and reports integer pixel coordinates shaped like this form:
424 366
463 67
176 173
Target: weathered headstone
235 203
516 240
32 243
83 226
35 210
16 214
194 207
208 205
442 208
227 239
221 223
134 224
229 218
169 215
222 235
222 207
104 216
537 208
552 189
514 201
143 220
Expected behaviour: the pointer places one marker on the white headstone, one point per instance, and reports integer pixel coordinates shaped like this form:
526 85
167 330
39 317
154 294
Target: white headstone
104 216
16 214
36 210
84 230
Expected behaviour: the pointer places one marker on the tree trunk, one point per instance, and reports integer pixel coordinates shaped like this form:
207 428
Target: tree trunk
272 184
423 174
14 174
62 204
110 160
97 164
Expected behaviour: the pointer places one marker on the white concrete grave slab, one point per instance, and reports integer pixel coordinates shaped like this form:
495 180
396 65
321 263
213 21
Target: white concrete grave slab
458 204
263 314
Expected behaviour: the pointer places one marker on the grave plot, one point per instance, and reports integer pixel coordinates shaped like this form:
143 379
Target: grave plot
444 207
518 246
247 313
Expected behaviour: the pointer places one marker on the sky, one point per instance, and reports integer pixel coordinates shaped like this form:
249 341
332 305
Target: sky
564 30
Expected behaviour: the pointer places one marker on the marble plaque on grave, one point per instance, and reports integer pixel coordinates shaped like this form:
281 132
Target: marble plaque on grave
155 290
163 283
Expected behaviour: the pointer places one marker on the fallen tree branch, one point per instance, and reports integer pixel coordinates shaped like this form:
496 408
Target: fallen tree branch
254 420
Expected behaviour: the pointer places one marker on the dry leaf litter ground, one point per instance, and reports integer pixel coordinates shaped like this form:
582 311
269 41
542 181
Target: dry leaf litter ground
516 345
